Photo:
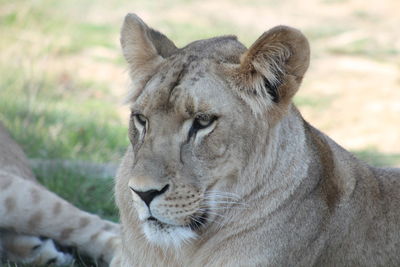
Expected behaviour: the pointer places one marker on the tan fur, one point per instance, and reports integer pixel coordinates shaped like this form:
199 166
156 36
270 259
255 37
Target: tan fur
29 211
273 190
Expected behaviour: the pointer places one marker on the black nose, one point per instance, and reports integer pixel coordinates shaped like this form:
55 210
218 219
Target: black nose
148 196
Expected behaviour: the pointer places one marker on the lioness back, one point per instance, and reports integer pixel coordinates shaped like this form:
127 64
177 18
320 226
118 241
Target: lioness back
222 169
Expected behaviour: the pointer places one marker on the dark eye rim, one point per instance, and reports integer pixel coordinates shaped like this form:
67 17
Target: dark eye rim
198 121
197 125
140 118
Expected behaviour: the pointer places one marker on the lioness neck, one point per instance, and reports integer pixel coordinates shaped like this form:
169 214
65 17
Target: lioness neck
282 164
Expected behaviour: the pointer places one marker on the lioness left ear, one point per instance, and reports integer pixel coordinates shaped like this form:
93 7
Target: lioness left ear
141 44
144 49
272 69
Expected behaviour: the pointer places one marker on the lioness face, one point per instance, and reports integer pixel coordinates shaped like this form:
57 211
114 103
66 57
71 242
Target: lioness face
186 132
193 118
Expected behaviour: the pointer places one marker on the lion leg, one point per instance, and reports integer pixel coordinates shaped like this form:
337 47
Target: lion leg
31 209
33 250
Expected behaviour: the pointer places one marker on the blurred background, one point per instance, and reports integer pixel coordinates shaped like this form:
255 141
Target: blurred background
63 79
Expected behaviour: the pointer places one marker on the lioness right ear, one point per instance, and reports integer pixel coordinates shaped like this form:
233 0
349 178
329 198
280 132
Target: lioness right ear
272 69
143 47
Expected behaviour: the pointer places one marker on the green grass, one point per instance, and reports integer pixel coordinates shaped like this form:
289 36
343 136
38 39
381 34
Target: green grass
325 31
53 125
366 47
315 102
85 191
376 158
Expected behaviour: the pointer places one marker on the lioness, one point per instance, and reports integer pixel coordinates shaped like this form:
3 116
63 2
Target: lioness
224 171
31 217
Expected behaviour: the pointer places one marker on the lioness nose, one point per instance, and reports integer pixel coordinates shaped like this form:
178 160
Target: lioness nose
148 196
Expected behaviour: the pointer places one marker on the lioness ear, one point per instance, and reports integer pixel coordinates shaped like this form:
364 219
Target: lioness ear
272 69
143 48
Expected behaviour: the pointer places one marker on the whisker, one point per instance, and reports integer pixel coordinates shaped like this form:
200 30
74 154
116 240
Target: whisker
227 202
199 223
213 221
220 216
222 193
206 210
226 208
213 197
220 198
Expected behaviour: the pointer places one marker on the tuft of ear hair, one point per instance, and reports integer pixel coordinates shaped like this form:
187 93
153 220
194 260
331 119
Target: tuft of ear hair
272 69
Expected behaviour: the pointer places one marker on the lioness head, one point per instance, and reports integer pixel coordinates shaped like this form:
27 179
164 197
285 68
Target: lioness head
196 115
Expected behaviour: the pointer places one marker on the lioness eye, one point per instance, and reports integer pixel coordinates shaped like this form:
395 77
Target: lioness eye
140 119
201 122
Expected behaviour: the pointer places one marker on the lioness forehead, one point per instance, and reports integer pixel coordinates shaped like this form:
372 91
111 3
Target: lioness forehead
224 49
188 81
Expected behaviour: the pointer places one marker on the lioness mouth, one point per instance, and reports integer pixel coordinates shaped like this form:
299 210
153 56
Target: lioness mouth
161 224
157 222
151 218
195 223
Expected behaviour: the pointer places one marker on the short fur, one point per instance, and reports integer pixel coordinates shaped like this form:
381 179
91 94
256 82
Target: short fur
31 217
258 185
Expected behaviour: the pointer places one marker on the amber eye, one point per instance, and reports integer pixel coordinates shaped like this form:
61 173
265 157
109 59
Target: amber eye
201 121
140 120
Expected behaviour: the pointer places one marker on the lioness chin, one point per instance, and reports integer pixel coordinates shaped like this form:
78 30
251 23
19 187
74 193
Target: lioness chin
223 170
